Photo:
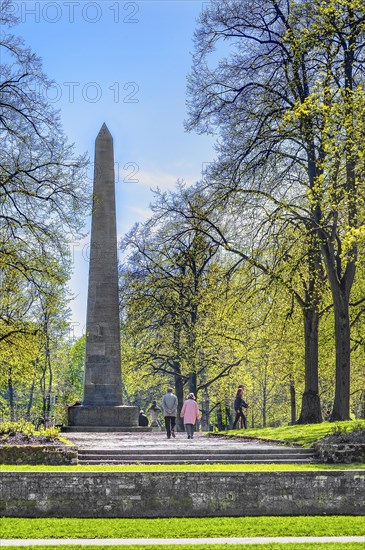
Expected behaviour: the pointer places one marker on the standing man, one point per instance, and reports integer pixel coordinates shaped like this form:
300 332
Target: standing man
169 406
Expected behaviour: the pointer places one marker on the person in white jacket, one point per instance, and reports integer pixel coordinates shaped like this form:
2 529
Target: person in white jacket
169 406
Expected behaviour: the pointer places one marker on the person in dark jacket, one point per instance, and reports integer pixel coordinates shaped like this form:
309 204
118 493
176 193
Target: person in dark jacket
239 404
142 419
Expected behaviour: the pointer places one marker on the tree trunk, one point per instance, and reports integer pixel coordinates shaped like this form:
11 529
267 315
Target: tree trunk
292 401
341 406
311 405
11 397
252 418
30 402
264 405
219 417
205 411
192 383
179 391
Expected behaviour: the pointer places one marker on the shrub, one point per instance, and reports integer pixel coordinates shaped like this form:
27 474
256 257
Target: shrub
26 428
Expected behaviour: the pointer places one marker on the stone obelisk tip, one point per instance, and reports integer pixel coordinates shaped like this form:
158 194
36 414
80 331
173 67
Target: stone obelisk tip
104 133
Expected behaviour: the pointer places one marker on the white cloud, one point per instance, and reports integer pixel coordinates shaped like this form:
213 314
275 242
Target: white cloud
141 214
157 179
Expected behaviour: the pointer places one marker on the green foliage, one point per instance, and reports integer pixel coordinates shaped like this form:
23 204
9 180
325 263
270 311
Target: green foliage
247 328
290 118
344 428
26 428
11 428
217 281
52 432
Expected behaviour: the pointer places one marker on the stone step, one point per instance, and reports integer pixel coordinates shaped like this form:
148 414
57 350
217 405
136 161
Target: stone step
195 456
184 450
272 460
192 457
187 454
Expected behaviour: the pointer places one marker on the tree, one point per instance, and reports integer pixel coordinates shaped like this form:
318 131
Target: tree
43 196
52 322
43 193
253 236
18 370
288 108
170 286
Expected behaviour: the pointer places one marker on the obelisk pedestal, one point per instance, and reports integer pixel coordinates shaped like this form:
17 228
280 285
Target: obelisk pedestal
102 408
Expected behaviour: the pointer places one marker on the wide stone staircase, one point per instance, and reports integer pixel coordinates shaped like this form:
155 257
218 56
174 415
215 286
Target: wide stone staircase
275 455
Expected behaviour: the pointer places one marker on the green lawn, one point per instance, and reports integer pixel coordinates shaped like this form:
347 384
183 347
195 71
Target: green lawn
264 526
302 546
182 468
305 434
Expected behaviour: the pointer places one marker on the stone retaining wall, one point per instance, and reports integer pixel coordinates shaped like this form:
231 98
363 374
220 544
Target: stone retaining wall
342 453
166 494
50 455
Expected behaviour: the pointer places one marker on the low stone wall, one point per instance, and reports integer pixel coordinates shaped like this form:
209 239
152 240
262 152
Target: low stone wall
166 494
50 455
342 453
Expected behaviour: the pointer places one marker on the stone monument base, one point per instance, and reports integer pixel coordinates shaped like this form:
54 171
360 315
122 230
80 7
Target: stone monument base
91 418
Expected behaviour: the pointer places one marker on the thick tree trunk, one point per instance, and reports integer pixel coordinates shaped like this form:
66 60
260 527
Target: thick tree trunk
341 406
311 406
192 383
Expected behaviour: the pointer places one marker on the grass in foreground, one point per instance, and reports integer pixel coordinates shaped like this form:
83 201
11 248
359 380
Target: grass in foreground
262 526
272 546
182 467
305 434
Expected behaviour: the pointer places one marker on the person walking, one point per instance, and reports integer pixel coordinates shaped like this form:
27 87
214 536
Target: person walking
190 414
241 419
154 411
239 403
169 406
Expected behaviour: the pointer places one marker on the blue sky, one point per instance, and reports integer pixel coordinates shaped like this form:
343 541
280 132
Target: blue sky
123 63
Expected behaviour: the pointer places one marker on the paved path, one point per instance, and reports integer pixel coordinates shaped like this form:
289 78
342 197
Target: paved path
171 542
158 440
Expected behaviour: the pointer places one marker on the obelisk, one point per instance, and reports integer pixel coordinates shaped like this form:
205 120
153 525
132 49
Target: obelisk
102 407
